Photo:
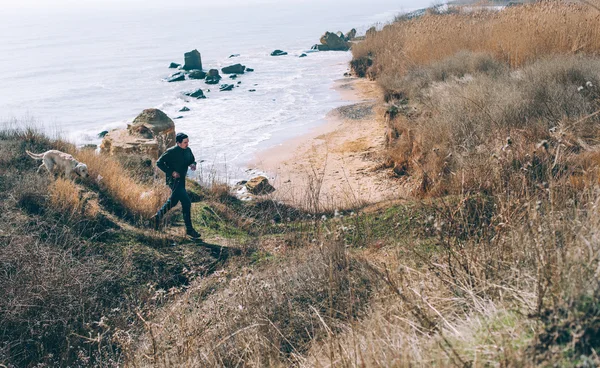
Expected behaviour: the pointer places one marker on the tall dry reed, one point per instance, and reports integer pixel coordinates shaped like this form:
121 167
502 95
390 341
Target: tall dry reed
515 35
127 191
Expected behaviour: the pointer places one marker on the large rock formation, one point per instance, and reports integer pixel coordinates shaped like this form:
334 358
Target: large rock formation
150 134
192 60
333 42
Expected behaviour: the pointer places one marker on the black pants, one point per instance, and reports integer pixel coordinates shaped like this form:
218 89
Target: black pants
178 194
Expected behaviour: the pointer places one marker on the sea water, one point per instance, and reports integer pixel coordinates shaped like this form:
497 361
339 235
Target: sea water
81 70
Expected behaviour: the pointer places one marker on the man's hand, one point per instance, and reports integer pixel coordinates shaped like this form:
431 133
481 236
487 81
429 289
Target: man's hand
176 175
193 167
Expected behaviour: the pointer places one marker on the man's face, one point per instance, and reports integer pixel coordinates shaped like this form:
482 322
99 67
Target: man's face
184 143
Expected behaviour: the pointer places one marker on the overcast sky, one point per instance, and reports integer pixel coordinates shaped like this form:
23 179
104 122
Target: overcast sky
82 4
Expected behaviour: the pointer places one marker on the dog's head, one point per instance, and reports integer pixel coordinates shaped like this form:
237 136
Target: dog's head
81 170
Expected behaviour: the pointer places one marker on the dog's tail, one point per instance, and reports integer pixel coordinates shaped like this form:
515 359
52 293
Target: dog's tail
35 156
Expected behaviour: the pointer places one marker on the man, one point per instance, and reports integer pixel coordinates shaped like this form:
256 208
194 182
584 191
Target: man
175 162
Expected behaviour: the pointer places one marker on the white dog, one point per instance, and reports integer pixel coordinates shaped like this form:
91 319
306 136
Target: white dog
63 161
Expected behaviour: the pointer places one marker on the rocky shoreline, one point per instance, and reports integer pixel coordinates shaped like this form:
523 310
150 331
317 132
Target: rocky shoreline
152 131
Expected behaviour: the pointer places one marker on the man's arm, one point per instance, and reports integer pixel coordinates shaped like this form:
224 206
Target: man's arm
163 164
193 158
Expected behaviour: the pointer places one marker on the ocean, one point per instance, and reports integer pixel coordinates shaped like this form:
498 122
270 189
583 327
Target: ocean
75 72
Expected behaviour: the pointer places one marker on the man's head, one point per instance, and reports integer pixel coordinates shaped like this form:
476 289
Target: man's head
182 140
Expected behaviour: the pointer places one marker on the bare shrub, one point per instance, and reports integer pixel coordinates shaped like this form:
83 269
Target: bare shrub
477 131
521 290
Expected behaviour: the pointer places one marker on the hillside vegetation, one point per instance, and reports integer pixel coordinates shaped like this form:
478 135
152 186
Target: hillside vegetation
493 261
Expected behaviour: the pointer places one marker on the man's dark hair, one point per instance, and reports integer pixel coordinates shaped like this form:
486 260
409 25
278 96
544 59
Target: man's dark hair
180 137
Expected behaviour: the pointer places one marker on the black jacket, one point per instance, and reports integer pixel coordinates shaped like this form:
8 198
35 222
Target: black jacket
176 159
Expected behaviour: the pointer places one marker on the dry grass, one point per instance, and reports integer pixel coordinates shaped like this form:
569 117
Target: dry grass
484 130
129 192
516 36
260 317
518 291
67 198
501 272
71 279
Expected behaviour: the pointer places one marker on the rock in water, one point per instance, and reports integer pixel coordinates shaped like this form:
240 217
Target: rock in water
234 69
196 94
174 66
278 53
193 60
333 42
226 87
213 77
185 108
197 74
177 77
259 185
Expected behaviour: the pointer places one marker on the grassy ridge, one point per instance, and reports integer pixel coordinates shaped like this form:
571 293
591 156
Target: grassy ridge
493 262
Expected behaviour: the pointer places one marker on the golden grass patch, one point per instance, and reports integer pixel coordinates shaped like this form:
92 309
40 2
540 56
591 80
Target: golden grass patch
137 198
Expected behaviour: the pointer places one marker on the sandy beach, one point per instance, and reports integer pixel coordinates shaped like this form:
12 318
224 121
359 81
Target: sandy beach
336 162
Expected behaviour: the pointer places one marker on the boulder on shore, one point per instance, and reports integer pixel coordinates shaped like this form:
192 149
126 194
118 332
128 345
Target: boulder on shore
226 87
185 108
234 69
150 134
197 74
259 185
303 55
278 53
193 60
